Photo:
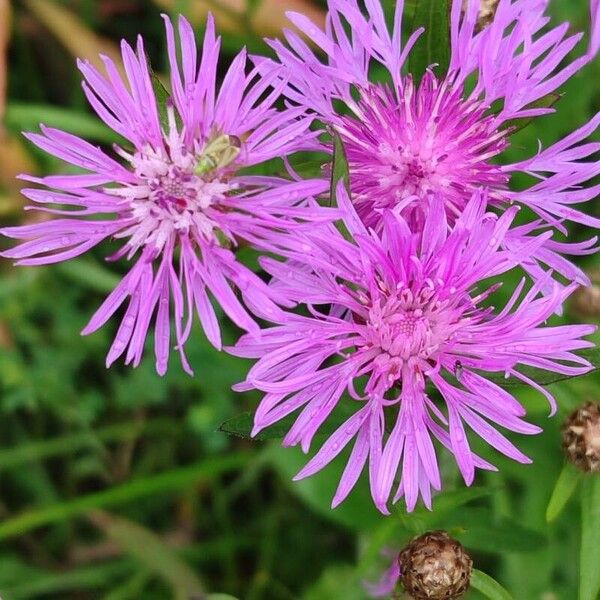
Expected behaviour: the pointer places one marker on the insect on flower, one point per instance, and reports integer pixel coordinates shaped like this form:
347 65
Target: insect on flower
219 153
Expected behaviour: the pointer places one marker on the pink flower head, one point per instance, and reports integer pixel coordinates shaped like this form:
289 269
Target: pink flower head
177 198
413 341
445 135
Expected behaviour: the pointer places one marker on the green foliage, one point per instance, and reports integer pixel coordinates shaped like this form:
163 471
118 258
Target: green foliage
589 579
565 488
488 586
433 48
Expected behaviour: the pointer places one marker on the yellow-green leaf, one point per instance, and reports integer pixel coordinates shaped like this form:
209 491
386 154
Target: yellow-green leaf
563 490
488 586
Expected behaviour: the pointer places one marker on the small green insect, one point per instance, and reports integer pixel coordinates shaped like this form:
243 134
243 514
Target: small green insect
218 154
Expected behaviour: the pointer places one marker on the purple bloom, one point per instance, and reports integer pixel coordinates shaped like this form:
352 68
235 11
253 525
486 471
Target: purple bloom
176 198
388 581
595 20
407 142
408 331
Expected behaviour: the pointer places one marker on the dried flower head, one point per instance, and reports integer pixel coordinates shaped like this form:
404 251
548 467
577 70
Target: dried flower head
581 437
487 11
435 566
174 193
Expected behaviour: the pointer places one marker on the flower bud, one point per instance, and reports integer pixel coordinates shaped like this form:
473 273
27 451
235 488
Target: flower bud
581 437
435 567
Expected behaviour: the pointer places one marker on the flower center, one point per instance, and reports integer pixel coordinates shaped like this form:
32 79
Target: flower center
406 146
401 327
179 191
408 328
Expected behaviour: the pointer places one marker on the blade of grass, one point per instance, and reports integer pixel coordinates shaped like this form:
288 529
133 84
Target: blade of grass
96 576
589 571
488 586
16 457
21 116
565 486
89 577
150 552
122 494
132 588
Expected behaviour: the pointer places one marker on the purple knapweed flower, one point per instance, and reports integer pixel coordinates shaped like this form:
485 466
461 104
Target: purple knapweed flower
407 141
178 197
595 20
411 338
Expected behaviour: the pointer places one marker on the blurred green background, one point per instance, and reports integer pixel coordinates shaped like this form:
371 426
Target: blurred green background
119 484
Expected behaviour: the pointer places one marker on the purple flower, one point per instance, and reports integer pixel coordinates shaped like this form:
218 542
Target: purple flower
445 136
177 198
595 19
388 581
411 338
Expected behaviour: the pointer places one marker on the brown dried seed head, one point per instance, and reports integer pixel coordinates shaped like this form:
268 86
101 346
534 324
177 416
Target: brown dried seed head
487 12
435 567
581 437
585 302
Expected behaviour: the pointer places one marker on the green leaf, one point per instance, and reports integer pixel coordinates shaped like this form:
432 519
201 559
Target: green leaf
141 487
563 490
241 425
543 377
589 564
162 96
151 552
434 45
546 102
89 274
340 171
488 586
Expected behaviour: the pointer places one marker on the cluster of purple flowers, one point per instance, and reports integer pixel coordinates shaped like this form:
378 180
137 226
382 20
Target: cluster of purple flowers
392 287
